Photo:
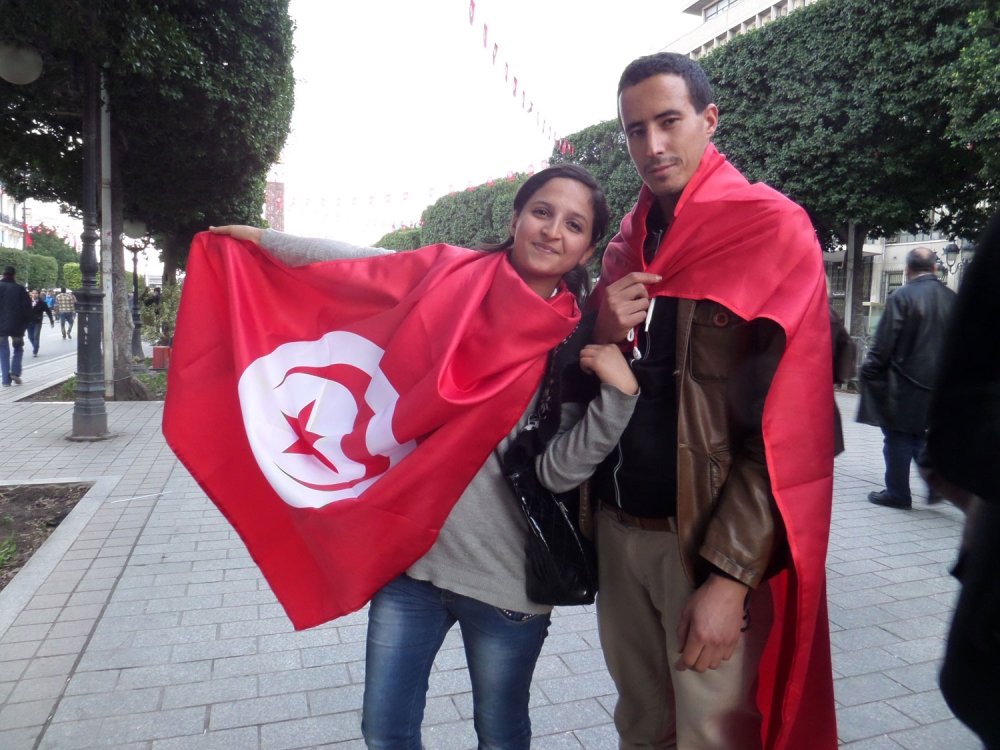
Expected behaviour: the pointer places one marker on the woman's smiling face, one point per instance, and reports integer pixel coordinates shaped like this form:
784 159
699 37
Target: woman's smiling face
553 234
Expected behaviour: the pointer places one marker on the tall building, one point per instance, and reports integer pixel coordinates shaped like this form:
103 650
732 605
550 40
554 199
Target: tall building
724 19
274 205
12 221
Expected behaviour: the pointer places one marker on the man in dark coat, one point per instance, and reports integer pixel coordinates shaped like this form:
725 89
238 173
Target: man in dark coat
898 375
962 441
15 310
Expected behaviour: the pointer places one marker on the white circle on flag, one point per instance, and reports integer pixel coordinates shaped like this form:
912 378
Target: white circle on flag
318 415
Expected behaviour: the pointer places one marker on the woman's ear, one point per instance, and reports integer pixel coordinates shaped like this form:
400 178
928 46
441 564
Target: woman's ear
585 258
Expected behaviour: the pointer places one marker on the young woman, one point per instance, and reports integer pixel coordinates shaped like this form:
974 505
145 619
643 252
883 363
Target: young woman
474 573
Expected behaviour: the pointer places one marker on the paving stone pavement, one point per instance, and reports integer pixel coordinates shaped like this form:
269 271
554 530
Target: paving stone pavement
143 623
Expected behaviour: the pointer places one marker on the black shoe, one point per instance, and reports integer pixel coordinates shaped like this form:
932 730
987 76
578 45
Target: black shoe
883 498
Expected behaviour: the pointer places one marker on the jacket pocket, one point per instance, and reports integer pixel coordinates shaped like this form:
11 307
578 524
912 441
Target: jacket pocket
720 342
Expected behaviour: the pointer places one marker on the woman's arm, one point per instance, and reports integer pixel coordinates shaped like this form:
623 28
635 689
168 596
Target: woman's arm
298 251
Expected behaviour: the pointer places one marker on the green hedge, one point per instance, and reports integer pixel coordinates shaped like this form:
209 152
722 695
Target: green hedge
34 271
72 275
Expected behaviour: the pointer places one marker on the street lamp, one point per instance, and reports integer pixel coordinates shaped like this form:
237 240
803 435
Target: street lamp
956 258
136 247
23 65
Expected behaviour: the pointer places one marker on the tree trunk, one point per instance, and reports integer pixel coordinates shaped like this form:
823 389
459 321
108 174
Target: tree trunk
126 387
854 307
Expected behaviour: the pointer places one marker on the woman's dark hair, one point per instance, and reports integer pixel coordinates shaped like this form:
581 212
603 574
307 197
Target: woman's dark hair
577 280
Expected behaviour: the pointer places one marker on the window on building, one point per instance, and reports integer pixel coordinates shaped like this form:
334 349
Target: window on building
892 280
838 279
715 9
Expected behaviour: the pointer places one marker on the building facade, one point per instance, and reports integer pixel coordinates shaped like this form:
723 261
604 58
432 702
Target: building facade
12 221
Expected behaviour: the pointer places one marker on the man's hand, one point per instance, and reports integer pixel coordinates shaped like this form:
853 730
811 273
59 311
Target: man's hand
710 624
239 232
623 307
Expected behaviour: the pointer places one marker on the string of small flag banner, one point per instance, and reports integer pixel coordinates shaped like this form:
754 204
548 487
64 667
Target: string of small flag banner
564 146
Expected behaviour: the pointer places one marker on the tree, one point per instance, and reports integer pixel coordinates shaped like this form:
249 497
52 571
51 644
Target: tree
820 106
200 94
46 241
972 90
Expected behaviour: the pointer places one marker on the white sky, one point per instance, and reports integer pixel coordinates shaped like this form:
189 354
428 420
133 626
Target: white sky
397 102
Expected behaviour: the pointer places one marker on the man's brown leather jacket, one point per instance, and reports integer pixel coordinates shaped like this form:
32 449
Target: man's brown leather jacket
726 513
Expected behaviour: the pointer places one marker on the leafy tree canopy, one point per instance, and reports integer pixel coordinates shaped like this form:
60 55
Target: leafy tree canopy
200 94
852 125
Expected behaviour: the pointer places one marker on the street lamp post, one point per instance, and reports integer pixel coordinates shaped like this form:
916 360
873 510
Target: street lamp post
138 356
22 65
958 257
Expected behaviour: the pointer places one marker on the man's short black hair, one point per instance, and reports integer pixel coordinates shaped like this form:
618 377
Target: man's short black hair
9 271
670 63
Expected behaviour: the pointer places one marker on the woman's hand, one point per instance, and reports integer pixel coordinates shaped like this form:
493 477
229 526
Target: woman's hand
607 362
239 232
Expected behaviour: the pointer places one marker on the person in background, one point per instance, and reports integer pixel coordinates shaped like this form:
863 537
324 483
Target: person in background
897 376
39 309
15 311
66 310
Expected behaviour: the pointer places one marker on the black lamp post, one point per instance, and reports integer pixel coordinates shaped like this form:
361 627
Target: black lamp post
22 65
138 356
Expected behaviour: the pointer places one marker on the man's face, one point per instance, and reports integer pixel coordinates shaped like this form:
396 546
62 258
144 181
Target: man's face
666 137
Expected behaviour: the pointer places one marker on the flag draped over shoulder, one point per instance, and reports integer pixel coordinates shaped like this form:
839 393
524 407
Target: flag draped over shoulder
751 249
335 412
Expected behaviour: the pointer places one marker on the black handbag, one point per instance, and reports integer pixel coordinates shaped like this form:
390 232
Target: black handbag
561 562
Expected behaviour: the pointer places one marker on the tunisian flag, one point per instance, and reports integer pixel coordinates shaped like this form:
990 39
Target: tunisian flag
751 249
335 412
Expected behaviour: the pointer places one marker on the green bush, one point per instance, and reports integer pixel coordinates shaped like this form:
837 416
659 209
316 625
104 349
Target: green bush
33 271
401 239
72 276
159 321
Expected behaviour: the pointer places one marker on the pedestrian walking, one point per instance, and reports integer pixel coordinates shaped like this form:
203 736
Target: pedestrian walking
39 309
66 310
898 375
15 310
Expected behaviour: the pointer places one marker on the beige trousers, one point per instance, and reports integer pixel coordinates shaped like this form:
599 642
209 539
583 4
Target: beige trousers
642 592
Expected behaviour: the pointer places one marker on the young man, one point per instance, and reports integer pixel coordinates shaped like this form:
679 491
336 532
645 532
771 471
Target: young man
715 507
66 310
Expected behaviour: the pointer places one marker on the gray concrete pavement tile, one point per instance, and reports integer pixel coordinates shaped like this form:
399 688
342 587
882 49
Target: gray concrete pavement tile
18 739
25 633
174 636
865 661
920 651
59 646
257 711
563 717
554 666
210 692
26 714
165 674
919 678
866 688
870 720
456 736
270 626
242 598
926 708
243 738
257 664
214 649
949 734
17 651
49 666
82 611
152 726
568 689
314 638
118 703
36 689
36 616
560 741
336 700
883 742
858 638
334 654
301 680
215 616
316 730
122 658
918 627
82 683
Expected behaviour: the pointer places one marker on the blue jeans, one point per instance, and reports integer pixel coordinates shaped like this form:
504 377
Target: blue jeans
898 449
10 365
66 323
34 335
407 622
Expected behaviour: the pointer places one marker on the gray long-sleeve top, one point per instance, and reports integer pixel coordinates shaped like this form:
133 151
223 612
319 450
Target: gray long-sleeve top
480 550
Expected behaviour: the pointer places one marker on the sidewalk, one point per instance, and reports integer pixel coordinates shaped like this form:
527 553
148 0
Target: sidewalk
143 623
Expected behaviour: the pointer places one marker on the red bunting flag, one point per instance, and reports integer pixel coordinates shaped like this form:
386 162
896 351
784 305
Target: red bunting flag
337 442
472 11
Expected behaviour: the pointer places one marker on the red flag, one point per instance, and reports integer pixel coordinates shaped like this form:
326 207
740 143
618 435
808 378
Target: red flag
28 242
751 249
336 442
